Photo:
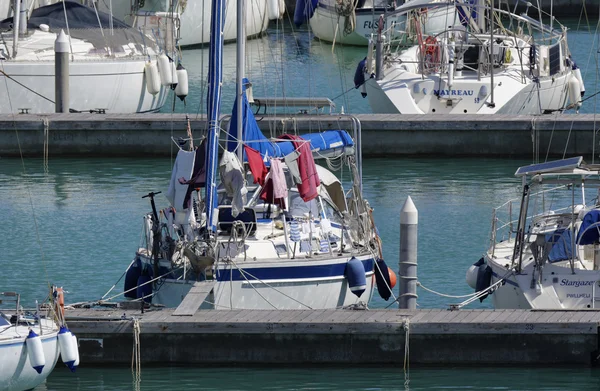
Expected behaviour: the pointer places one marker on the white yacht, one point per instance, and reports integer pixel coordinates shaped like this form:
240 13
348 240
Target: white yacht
353 24
295 252
492 62
545 253
194 23
110 64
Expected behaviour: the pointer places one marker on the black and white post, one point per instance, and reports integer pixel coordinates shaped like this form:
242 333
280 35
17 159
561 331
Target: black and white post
61 73
409 221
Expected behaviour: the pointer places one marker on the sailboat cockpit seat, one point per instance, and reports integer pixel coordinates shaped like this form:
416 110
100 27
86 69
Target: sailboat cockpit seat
225 223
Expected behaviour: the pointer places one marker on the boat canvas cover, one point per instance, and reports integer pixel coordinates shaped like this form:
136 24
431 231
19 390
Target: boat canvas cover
562 248
324 143
589 231
78 16
83 24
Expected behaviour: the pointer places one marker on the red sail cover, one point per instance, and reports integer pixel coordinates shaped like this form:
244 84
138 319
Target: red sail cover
306 166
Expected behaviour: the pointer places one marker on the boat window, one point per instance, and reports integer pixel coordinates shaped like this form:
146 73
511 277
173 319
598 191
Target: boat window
155 6
3 320
300 208
331 212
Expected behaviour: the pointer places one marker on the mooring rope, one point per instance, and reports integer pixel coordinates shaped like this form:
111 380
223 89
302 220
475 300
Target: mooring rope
136 364
346 9
46 143
406 354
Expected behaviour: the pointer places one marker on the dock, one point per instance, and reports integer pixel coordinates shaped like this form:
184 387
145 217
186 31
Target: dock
130 135
339 337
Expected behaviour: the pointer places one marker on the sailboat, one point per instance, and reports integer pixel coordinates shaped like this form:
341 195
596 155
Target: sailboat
353 23
113 68
492 62
279 232
194 17
548 255
31 343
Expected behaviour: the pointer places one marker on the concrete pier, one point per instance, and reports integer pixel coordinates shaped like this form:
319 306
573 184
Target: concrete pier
383 134
436 337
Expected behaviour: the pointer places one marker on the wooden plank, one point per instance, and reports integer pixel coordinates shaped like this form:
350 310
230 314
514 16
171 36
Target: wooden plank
194 298
556 315
503 315
481 318
590 316
420 316
313 315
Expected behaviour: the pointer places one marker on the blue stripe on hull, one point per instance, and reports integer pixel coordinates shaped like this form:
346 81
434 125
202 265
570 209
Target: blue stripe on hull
291 272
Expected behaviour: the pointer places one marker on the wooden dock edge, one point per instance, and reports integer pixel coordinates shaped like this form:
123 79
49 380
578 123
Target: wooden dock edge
336 337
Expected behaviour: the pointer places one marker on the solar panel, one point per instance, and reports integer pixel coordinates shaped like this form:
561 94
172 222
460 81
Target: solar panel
556 165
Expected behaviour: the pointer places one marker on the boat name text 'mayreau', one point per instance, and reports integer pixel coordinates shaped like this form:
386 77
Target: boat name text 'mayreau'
453 92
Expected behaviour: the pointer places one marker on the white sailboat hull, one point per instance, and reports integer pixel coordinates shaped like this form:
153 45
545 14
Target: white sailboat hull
195 21
559 288
328 26
115 86
401 92
16 372
287 285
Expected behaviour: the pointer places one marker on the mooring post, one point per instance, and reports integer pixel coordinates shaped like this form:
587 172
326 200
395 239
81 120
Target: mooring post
409 221
61 73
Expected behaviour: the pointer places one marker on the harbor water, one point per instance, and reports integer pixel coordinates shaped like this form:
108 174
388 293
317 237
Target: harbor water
76 223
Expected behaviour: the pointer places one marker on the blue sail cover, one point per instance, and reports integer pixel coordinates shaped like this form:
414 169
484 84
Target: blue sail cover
589 231
324 143
215 79
562 250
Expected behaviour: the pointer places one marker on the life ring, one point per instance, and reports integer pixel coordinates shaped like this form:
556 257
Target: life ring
431 56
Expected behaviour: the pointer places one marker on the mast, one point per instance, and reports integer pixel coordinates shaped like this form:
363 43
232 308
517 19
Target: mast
215 79
240 66
492 104
16 17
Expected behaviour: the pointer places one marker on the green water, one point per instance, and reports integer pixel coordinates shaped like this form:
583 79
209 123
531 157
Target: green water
365 379
79 225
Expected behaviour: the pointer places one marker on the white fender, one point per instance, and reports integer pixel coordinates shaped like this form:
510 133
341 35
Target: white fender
164 69
35 351
173 71
68 348
273 9
152 78
181 90
574 91
451 50
281 8
577 73
76 363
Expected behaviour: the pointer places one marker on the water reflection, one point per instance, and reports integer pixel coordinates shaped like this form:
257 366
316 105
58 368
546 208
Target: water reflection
336 378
